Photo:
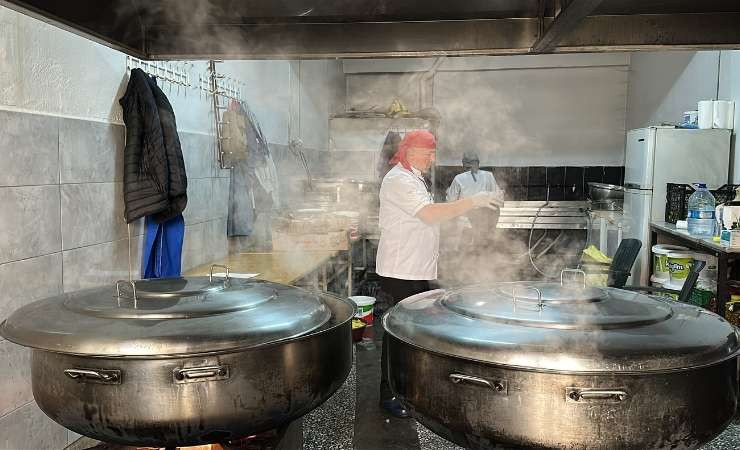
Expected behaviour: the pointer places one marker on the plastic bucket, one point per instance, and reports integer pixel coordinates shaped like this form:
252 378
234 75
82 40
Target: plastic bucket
364 307
679 266
660 259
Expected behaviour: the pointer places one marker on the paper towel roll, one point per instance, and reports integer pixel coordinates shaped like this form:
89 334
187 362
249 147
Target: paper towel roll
723 114
706 114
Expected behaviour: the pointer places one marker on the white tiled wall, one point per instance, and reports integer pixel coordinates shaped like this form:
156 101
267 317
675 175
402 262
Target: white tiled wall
62 229
61 168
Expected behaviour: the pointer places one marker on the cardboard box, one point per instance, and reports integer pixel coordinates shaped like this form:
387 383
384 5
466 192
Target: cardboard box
335 240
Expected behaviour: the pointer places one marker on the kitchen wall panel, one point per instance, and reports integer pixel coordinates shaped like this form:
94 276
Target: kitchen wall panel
28 280
15 377
533 110
215 241
30 150
729 89
28 428
92 213
197 151
100 264
29 222
545 117
200 196
220 200
62 142
90 151
663 85
194 246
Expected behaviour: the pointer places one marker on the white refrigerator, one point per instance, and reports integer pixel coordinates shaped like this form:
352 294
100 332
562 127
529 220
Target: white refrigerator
655 156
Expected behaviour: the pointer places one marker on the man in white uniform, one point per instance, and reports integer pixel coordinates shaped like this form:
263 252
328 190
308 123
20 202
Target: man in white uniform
472 181
479 226
409 231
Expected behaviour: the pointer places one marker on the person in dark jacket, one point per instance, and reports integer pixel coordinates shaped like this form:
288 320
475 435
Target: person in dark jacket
154 179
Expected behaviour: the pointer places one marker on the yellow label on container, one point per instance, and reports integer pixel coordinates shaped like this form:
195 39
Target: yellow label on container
679 268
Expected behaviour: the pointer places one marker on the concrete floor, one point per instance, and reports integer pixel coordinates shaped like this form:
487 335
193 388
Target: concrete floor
374 428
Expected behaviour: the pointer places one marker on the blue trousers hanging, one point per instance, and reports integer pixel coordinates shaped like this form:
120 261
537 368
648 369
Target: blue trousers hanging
162 255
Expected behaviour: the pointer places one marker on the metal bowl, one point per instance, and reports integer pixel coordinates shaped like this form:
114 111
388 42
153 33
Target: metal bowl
599 192
606 205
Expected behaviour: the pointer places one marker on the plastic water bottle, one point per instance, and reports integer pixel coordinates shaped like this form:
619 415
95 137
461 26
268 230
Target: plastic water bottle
701 212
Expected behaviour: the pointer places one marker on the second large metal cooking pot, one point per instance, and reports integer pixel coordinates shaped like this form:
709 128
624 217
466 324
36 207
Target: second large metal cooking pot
185 361
545 365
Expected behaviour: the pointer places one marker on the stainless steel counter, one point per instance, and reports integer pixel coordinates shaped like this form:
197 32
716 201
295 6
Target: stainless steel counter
560 215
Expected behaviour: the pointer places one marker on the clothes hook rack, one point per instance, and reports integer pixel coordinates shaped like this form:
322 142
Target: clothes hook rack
222 90
174 73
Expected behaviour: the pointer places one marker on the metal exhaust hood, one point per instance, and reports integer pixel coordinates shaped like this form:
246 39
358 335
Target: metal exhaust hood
292 29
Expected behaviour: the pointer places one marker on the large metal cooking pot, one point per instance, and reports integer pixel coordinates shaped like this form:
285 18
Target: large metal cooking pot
184 361
545 365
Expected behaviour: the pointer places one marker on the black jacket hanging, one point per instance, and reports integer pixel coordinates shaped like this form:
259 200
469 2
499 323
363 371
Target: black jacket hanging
178 180
154 179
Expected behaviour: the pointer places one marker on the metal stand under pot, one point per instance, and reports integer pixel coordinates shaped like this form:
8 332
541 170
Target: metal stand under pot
184 361
548 365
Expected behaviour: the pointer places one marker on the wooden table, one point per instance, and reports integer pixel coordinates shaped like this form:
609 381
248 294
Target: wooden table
278 267
726 257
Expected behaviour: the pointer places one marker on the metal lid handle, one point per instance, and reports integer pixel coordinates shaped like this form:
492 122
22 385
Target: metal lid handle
132 283
213 266
540 303
573 271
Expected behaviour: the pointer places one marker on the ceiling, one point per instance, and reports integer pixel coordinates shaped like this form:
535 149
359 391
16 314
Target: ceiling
260 29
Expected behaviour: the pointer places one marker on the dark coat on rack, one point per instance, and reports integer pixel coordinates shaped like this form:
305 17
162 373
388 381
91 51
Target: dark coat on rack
154 178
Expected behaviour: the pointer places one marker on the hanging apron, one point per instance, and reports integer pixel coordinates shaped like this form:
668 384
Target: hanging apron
162 252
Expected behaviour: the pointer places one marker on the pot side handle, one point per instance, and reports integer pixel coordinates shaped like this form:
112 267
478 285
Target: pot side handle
499 386
105 376
196 374
591 395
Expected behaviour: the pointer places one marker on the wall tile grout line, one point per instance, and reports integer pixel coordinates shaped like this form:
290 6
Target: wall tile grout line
12 109
70 183
16 409
187 224
95 182
61 222
31 257
100 243
29 185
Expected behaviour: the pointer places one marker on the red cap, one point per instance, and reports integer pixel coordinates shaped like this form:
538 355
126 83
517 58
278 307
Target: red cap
413 139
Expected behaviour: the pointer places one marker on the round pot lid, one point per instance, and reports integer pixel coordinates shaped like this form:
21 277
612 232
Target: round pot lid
565 328
168 317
